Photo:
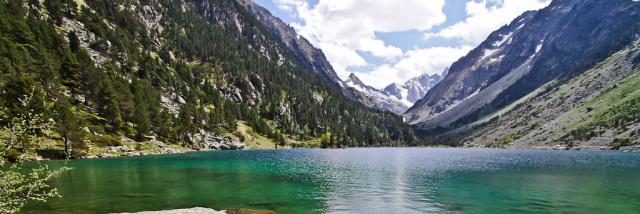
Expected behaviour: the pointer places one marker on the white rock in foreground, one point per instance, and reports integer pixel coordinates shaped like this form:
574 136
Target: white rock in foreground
197 210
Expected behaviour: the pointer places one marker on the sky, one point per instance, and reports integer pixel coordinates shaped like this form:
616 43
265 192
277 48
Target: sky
391 41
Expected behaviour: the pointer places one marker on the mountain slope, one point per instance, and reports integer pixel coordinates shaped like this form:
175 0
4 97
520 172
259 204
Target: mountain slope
595 110
555 43
301 48
172 71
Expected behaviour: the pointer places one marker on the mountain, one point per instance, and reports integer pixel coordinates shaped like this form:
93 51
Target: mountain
555 43
395 98
373 97
597 109
311 57
185 73
413 89
314 59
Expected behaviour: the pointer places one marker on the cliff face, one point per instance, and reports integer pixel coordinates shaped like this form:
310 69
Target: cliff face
556 43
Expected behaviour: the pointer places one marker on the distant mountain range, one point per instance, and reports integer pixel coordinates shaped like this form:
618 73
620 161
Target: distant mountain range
395 98
413 89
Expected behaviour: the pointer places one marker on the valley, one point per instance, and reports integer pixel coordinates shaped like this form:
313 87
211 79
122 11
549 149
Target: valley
270 106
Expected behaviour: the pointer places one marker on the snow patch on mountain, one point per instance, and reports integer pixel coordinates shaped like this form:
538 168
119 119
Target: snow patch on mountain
396 97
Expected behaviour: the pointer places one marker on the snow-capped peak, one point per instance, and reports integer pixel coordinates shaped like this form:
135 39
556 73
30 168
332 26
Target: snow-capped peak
399 96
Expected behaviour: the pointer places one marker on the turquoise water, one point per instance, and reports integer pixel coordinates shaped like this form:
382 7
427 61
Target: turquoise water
382 180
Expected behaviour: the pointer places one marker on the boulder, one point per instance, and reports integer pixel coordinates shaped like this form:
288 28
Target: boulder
119 149
204 140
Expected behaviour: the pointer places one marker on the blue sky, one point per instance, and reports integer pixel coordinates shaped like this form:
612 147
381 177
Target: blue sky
390 41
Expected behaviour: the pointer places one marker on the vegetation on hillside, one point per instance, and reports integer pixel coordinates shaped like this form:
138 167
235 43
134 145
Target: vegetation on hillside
617 109
101 73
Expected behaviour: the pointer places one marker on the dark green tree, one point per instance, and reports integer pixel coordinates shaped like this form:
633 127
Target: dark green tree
141 116
70 70
55 10
107 105
69 128
74 41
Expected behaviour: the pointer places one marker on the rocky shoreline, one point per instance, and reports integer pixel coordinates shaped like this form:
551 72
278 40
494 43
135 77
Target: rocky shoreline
127 147
122 151
633 148
204 142
220 143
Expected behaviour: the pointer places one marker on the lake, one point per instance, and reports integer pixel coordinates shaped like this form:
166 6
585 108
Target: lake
368 180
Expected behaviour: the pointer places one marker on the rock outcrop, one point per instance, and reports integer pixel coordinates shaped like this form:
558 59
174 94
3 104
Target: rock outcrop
204 141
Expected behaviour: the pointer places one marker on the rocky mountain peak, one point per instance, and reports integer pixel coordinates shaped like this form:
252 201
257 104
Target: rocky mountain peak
394 90
354 80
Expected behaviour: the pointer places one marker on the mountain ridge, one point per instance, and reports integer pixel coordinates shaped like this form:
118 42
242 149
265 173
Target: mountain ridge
302 49
395 97
563 77
520 57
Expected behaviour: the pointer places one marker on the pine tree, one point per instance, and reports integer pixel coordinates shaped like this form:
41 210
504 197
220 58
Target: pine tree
107 105
74 42
282 141
55 10
69 128
70 70
141 116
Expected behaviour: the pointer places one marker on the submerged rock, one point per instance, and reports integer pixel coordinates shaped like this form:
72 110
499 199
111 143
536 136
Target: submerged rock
201 210
198 210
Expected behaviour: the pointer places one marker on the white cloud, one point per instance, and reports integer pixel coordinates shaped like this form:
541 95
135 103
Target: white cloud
343 27
414 63
485 17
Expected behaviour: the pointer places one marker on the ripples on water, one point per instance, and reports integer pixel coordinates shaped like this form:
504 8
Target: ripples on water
381 180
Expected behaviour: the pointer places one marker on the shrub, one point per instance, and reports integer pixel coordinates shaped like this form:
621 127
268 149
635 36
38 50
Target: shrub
105 140
620 142
14 155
